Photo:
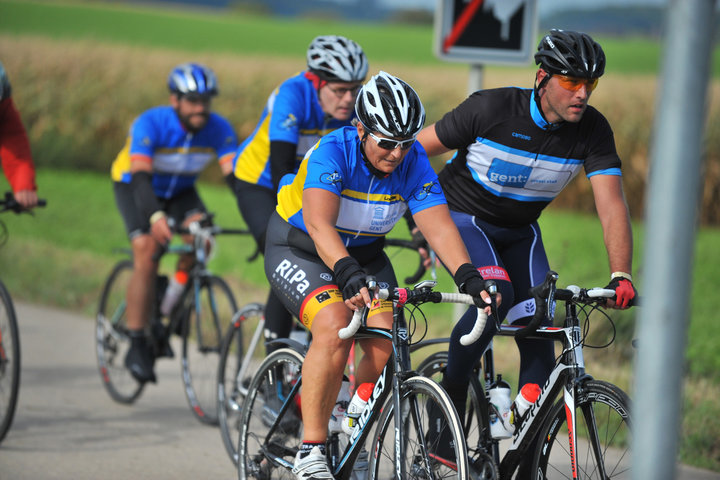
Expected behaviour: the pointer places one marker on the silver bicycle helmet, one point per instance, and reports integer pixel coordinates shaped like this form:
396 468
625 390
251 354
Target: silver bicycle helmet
570 53
192 78
337 59
4 84
390 106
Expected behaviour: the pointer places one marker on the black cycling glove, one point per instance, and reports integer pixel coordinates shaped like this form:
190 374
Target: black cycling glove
349 276
469 280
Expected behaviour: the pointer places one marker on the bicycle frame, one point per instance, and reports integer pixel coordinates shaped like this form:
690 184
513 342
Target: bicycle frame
563 378
388 383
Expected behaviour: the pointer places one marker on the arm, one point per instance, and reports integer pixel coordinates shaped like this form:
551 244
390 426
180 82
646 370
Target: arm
431 143
615 220
320 212
15 155
282 160
141 183
442 235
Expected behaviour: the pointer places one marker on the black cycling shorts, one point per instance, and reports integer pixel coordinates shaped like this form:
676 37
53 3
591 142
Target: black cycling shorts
304 283
179 207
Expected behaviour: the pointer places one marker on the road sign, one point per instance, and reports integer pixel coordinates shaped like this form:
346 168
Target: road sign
486 31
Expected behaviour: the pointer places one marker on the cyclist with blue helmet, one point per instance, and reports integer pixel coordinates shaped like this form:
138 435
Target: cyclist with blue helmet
15 153
154 180
298 112
327 235
516 150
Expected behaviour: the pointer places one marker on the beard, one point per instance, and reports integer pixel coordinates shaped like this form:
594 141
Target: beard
194 122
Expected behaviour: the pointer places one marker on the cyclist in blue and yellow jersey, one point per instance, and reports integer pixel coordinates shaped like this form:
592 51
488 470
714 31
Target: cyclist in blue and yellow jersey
327 236
15 156
300 111
516 150
154 179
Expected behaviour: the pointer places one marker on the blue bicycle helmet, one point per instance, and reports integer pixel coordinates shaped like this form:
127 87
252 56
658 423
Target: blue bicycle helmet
4 84
192 78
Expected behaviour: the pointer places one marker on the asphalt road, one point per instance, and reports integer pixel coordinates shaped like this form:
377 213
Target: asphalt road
67 428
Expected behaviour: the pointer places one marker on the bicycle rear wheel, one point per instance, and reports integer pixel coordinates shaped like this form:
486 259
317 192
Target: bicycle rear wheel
111 337
9 361
603 431
243 339
429 452
209 313
268 408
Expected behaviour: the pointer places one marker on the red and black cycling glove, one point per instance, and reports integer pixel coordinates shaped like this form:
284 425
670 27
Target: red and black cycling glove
625 291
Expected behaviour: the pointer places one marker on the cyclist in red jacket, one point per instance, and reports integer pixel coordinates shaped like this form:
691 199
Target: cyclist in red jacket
15 148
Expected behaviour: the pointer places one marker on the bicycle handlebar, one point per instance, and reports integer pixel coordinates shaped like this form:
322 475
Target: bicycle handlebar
422 293
10 204
546 293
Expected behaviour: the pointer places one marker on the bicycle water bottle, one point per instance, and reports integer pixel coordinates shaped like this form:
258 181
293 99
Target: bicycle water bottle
499 393
528 395
356 406
335 425
173 292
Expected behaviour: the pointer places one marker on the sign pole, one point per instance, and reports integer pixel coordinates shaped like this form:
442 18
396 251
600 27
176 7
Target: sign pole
475 78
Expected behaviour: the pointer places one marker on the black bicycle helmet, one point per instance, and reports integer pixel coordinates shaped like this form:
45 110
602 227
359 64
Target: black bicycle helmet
390 106
337 59
192 78
4 84
570 53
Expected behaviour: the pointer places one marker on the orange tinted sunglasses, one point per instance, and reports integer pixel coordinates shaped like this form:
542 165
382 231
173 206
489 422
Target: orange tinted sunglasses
574 83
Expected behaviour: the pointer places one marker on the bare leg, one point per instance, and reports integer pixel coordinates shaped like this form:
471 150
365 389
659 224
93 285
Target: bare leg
141 289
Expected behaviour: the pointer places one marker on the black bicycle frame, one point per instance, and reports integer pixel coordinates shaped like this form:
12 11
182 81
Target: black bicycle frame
387 383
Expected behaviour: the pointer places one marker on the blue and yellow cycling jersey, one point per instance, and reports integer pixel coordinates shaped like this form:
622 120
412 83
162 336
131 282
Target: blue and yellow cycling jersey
369 206
292 114
178 156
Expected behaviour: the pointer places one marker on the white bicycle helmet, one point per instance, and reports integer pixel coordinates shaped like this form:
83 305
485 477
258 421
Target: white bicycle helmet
390 106
337 59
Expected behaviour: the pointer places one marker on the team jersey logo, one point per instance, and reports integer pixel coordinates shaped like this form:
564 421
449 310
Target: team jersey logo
427 190
289 123
330 178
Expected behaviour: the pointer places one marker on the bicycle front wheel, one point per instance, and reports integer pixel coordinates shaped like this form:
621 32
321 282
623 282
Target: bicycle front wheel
271 419
240 355
9 361
434 440
111 336
603 424
208 316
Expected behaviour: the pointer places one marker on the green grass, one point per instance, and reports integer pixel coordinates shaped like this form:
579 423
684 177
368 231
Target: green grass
246 33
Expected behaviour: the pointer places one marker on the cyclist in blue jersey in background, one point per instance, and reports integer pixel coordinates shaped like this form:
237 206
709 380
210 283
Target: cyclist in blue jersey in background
516 150
154 179
328 234
300 111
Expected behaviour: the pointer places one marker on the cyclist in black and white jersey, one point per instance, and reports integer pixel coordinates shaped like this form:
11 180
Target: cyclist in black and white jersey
516 150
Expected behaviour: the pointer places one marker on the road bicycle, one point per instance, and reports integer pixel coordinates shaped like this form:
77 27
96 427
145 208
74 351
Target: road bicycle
395 421
585 434
9 334
243 349
199 318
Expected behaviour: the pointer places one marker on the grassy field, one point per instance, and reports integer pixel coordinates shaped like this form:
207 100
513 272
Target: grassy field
80 78
251 34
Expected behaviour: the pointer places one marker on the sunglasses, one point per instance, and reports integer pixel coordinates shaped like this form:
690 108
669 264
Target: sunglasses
194 97
341 92
574 83
388 144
